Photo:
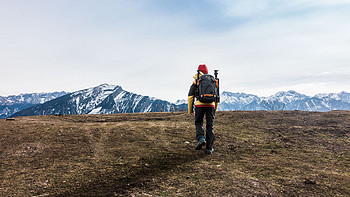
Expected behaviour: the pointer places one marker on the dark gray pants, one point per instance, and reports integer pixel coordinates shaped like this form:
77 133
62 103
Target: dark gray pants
210 116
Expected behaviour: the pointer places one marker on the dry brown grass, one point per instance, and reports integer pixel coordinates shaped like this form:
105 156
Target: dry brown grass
286 153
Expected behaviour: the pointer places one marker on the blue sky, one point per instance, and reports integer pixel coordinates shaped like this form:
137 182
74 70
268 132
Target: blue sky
153 47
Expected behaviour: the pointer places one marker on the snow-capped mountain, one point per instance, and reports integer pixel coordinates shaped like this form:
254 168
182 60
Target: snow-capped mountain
108 99
236 101
33 98
342 96
289 100
181 101
14 103
282 100
103 99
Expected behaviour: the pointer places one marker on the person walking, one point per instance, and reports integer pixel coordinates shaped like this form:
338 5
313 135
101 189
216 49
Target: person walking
202 108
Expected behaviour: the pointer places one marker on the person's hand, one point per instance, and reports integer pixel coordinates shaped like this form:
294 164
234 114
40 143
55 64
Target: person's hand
191 113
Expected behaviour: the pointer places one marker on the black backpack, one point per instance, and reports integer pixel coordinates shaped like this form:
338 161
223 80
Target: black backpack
208 88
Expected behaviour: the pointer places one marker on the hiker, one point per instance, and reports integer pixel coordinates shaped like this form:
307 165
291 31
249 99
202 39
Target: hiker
201 109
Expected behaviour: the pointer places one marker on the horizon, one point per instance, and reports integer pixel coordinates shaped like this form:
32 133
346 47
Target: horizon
174 101
154 47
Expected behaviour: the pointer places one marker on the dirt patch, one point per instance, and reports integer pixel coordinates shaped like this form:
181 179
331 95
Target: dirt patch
26 150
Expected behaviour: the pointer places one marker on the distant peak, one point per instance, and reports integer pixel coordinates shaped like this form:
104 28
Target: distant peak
289 92
286 92
235 93
292 92
343 92
108 86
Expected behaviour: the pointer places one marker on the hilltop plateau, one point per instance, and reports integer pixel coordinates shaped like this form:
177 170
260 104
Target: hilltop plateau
257 153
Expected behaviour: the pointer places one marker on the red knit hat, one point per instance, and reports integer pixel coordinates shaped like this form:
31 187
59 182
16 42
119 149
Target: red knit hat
203 68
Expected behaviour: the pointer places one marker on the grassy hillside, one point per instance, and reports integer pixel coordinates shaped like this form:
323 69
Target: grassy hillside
261 153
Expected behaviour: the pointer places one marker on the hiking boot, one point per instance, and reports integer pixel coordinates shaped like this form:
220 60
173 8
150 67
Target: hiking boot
201 142
209 151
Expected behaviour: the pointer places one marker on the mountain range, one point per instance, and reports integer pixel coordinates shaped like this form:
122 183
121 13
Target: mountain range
14 103
109 99
290 100
102 99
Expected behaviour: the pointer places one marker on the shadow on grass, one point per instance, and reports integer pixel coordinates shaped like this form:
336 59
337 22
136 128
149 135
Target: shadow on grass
139 176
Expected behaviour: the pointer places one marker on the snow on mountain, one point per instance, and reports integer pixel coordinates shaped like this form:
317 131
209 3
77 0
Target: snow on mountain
281 100
181 101
32 98
286 97
102 99
236 101
321 104
343 96
109 99
289 100
14 103
86 100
